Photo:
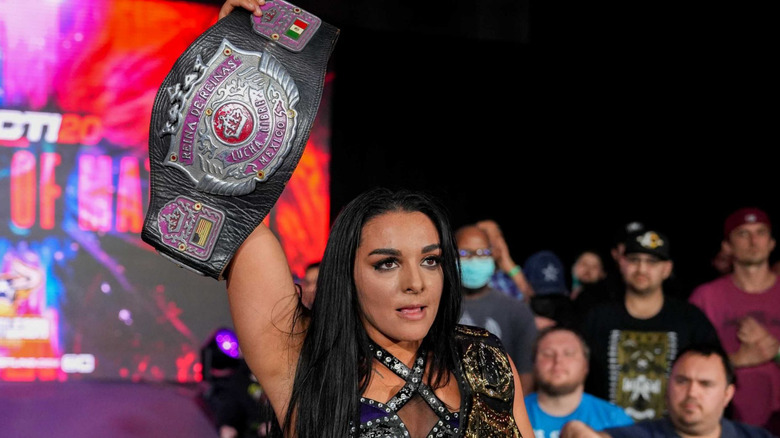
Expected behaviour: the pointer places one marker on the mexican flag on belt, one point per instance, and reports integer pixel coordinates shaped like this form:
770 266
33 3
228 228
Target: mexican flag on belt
296 29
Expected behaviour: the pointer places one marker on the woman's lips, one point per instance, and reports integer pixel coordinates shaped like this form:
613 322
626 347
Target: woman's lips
412 313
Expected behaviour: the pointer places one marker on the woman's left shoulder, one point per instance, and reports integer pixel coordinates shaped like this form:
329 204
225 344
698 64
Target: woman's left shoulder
468 335
486 365
472 332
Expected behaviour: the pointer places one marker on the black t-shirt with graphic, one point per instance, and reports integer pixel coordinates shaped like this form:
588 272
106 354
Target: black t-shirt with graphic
631 358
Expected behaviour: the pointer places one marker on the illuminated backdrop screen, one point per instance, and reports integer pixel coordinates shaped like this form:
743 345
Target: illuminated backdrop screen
81 296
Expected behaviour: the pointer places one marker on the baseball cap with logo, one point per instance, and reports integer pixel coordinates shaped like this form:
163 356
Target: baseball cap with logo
545 272
625 230
747 215
648 242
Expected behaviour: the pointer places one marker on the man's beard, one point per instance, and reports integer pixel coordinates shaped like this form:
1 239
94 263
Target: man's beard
555 390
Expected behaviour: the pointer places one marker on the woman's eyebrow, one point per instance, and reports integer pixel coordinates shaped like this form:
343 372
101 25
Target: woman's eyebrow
395 252
385 251
431 247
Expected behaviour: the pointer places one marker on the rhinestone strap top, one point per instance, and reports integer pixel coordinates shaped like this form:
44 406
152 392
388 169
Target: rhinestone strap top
382 420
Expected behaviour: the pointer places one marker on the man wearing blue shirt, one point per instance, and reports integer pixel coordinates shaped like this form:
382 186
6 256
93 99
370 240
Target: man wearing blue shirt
560 367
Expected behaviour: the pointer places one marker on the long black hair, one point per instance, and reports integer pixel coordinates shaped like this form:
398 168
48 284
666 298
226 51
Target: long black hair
334 364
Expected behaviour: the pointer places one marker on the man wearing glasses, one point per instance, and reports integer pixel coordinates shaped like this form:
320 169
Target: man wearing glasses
506 317
635 340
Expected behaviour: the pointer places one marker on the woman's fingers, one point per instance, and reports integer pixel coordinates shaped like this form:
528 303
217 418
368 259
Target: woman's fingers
250 5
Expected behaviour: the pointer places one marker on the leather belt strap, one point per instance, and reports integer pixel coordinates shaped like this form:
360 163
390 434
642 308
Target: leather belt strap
229 125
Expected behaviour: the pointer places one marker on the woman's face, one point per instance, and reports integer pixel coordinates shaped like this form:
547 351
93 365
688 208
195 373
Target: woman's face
399 277
588 268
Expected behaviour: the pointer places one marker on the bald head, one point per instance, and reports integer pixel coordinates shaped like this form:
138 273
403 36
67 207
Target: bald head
472 232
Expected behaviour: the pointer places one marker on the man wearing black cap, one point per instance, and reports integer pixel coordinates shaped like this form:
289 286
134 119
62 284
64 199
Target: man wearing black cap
612 286
744 307
635 340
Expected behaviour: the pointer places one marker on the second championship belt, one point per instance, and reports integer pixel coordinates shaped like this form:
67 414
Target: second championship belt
229 125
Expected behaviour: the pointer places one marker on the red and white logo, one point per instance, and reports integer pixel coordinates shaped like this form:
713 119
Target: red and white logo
233 123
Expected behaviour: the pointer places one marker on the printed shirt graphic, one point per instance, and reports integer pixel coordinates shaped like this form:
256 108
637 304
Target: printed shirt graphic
631 357
639 367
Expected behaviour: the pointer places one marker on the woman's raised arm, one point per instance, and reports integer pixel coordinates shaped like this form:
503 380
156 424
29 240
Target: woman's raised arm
263 304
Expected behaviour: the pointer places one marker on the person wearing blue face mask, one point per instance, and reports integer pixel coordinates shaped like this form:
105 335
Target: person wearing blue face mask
508 318
476 268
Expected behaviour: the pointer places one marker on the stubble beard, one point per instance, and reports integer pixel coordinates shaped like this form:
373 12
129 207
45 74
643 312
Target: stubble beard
691 425
556 390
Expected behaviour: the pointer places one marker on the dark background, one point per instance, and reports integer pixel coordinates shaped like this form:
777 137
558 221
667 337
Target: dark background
560 120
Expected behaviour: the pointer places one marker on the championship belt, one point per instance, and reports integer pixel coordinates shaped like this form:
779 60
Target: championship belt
229 125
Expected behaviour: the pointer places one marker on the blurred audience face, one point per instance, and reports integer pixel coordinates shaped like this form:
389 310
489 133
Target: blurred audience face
588 268
617 251
750 244
309 285
644 273
722 260
561 364
698 393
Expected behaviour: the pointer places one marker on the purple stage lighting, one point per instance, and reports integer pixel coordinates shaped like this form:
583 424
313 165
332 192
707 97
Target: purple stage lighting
227 342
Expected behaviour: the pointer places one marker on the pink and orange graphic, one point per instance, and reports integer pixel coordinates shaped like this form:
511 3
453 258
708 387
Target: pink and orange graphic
81 296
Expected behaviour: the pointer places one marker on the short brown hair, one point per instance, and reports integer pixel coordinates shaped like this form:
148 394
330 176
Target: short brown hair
558 328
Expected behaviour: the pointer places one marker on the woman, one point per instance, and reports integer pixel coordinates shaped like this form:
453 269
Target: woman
380 352
382 332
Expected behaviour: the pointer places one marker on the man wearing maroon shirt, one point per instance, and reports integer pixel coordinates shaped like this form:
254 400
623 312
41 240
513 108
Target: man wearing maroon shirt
744 307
